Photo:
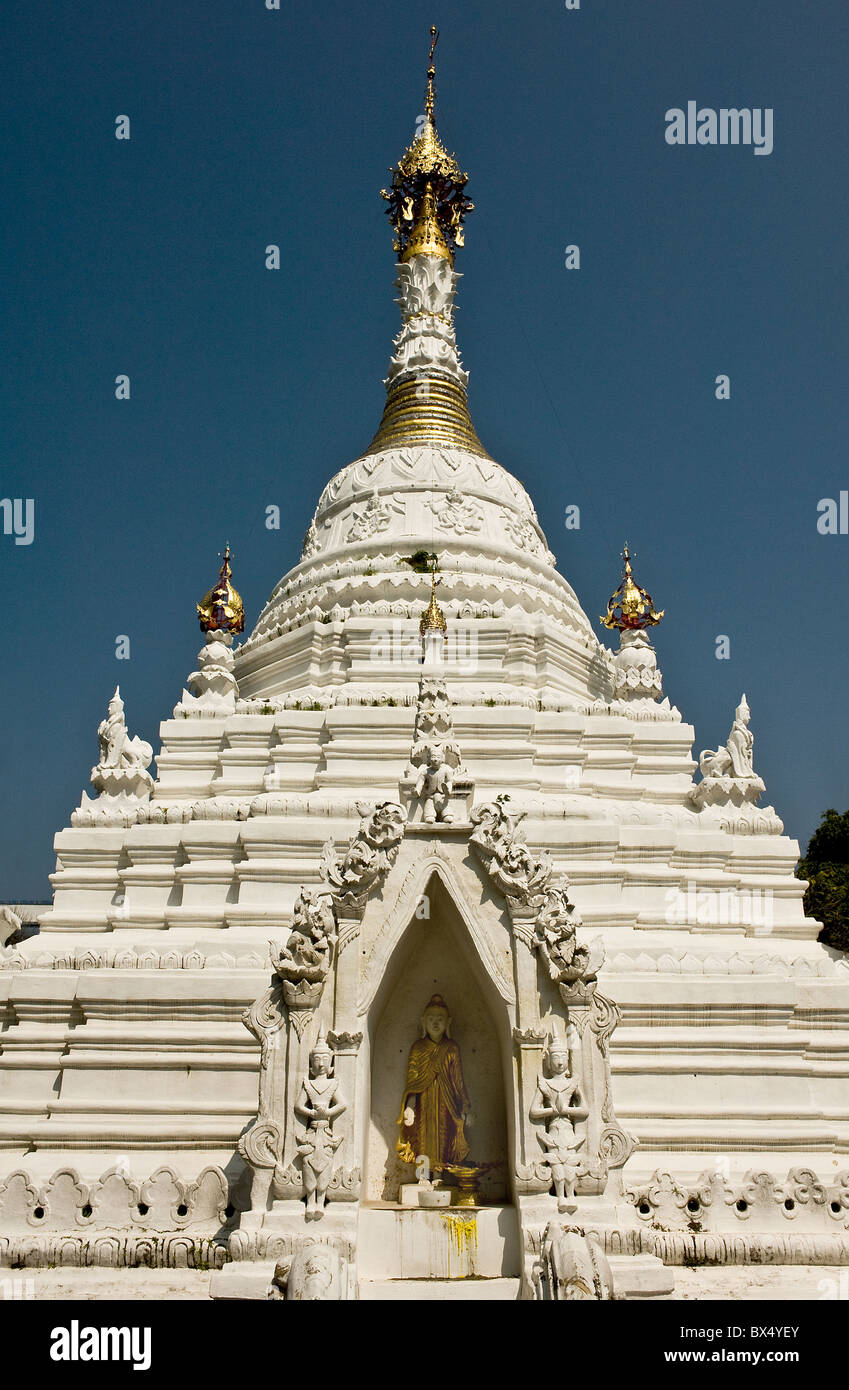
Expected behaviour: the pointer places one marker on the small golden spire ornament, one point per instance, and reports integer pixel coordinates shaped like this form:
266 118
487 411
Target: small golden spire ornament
426 238
222 610
433 618
630 608
426 199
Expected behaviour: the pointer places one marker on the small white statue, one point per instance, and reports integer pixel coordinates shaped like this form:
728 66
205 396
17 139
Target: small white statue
557 1105
117 749
434 784
735 758
10 924
436 764
120 778
320 1104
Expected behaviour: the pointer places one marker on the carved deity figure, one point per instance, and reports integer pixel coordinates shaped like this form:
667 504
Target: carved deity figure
374 517
434 784
454 512
529 880
309 950
435 1109
117 749
435 760
371 853
557 1105
735 759
319 1105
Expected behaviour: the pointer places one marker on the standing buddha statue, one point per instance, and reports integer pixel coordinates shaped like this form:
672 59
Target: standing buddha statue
435 1109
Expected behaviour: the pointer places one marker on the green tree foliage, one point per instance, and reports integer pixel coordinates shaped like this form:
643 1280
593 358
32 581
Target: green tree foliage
826 867
421 562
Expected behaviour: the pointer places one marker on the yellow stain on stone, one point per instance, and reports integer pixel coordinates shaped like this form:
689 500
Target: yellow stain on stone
463 1237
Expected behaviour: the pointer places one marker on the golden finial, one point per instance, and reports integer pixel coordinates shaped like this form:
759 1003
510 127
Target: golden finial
630 608
426 238
222 610
427 168
433 618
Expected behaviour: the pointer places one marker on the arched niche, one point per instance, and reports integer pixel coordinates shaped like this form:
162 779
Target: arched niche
436 955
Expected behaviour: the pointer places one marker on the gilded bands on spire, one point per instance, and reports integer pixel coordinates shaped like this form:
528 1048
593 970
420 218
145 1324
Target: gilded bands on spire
426 410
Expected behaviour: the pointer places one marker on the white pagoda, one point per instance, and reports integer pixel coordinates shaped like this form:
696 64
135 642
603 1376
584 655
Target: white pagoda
424 956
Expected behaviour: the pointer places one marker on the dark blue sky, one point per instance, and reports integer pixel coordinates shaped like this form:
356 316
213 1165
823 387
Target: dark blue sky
251 387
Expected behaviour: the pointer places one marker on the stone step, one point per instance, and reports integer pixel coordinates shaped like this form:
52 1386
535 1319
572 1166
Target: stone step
454 1244
440 1290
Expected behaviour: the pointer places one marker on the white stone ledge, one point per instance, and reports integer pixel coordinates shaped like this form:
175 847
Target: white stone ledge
124 1061
123 1134
718 1134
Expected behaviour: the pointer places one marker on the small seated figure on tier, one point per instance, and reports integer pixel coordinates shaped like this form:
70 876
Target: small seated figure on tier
735 758
117 749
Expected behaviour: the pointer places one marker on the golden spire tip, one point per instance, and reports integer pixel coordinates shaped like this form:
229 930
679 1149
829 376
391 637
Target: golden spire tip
426 196
430 91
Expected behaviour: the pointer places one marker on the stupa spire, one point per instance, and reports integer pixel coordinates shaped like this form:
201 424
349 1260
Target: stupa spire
426 386
630 610
430 90
427 182
212 688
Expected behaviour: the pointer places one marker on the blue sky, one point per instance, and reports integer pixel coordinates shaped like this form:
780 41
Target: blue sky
251 387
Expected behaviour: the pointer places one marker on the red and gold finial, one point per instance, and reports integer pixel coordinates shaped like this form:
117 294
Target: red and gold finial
630 608
222 610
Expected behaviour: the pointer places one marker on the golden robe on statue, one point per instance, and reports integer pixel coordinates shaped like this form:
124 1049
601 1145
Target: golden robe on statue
436 1092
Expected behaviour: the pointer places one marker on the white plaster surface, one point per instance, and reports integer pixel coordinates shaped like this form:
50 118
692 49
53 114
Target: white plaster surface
145 1285
440 1291
456 1244
122 1046
807 1283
